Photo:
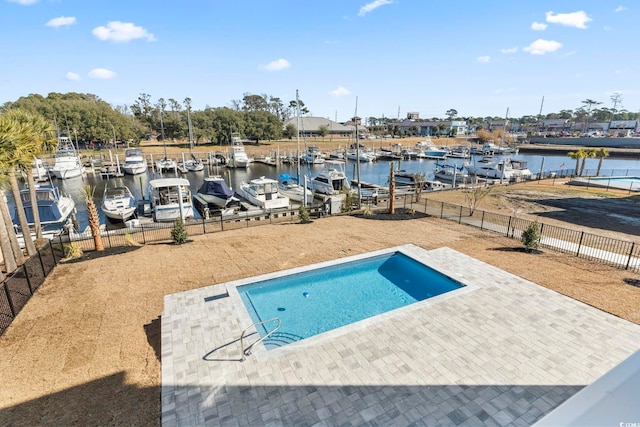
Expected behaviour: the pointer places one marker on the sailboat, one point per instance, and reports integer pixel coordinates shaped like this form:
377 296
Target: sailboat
165 164
193 164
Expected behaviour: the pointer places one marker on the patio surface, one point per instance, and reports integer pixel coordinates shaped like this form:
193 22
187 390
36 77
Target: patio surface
502 351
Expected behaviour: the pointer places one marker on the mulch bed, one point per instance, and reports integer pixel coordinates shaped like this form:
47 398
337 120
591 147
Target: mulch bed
400 214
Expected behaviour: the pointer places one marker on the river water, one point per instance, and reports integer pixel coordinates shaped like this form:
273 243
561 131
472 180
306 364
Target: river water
376 173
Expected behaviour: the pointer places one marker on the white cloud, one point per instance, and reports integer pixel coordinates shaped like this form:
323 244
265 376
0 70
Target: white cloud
62 21
574 19
73 76
484 59
541 46
122 32
538 26
277 65
509 50
340 91
23 2
369 7
101 73
620 9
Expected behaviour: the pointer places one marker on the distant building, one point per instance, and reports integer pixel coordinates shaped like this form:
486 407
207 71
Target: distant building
310 126
413 116
458 127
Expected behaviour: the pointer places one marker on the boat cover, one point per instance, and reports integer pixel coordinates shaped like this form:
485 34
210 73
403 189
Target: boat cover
217 188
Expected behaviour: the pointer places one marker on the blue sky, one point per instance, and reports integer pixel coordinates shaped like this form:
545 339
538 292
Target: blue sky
394 56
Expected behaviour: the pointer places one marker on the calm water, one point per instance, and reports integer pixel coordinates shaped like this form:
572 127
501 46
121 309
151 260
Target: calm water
320 300
377 173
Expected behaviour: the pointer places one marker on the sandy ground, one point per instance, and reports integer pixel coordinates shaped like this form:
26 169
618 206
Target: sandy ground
85 349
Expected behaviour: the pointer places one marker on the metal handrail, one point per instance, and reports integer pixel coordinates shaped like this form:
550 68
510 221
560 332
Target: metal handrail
247 351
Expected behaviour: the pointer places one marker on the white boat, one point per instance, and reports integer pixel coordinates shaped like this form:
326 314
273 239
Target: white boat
193 164
40 173
460 152
215 192
428 150
313 156
451 173
118 203
363 155
290 187
504 169
55 210
263 193
331 180
238 158
166 164
170 199
134 162
403 178
68 164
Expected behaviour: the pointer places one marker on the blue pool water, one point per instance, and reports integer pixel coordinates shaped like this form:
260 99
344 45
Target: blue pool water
631 183
323 299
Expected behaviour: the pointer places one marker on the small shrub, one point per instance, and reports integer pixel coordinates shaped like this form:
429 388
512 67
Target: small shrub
130 241
366 211
531 237
303 214
179 232
72 251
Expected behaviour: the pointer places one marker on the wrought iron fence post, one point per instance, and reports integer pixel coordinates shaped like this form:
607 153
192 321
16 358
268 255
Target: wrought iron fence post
144 239
109 238
508 226
633 244
425 204
44 272
6 291
482 221
441 209
221 223
53 254
26 275
204 226
580 244
460 216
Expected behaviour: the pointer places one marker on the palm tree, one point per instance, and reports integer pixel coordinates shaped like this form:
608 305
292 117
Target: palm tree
40 134
10 263
587 154
94 219
13 146
576 155
601 154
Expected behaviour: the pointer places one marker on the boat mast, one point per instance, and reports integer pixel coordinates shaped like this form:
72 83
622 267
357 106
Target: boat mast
187 102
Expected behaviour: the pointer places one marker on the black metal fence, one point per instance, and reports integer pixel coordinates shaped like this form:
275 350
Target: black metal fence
158 232
21 284
618 253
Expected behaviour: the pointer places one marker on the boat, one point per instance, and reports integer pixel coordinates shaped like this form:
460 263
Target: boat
451 173
331 180
56 211
460 152
68 164
504 169
38 170
134 162
118 203
290 187
238 158
215 193
313 156
263 193
428 150
166 164
403 178
170 199
361 153
192 164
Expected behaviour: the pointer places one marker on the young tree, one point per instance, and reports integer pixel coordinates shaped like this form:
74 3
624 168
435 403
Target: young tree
576 155
531 237
323 130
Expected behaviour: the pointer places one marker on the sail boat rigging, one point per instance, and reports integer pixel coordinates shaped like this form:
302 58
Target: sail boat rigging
193 164
165 163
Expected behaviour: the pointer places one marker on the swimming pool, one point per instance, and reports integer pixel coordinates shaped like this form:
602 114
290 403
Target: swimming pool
630 183
322 299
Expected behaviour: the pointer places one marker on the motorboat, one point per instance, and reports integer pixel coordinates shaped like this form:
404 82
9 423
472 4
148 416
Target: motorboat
215 193
460 152
118 203
504 169
313 156
331 180
170 199
363 154
238 157
403 178
451 173
39 171
68 164
134 162
290 187
55 210
428 150
263 193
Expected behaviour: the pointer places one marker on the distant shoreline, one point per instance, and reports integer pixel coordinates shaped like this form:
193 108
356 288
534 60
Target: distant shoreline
564 149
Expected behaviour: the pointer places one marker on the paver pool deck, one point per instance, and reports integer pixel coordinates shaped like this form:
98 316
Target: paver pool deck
502 351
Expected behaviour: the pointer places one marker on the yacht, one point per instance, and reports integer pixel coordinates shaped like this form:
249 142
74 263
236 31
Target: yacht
290 187
263 193
428 150
55 210
505 169
134 162
166 164
118 203
238 158
214 192
313 156
68 164
170 199
451 173
331 180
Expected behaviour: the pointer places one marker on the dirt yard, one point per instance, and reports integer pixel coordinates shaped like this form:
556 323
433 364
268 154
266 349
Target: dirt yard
86 348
